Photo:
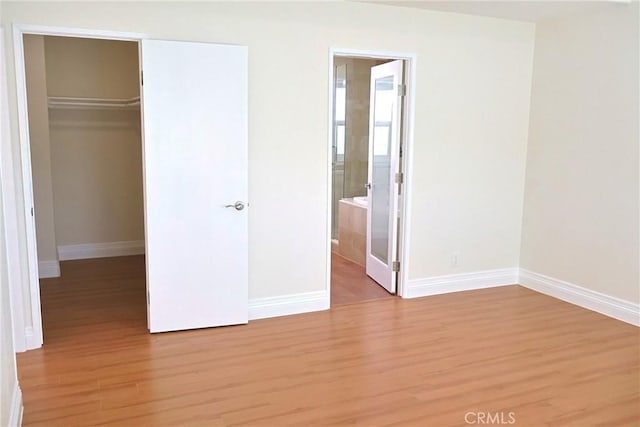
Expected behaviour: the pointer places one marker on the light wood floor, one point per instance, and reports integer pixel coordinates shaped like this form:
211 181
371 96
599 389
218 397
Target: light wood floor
422 362
350 283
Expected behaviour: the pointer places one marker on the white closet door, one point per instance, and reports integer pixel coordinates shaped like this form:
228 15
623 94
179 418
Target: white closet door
194 98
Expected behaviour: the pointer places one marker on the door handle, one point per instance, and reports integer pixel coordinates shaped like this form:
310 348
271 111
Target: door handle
367 186
237 206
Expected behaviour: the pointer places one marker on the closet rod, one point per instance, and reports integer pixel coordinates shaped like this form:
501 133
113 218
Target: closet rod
93 103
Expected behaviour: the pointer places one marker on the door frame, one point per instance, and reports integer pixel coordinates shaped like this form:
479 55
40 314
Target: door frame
408 121
32 336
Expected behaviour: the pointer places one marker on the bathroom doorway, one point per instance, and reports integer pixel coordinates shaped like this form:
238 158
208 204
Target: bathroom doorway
368 140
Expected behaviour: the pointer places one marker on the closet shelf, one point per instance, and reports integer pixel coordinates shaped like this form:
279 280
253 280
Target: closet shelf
93 103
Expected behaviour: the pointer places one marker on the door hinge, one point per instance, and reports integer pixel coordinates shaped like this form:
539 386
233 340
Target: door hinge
399 178
402 90
141 78
31 210
395 266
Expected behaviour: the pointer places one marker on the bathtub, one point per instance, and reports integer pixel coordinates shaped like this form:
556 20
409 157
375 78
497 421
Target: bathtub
352 229
361 201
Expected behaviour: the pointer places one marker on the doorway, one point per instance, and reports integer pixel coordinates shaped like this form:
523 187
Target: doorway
371 113
83 104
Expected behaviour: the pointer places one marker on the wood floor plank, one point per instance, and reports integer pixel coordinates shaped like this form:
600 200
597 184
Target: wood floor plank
350 283
383 361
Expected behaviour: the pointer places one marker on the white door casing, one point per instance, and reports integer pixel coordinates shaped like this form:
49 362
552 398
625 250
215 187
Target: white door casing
385 132
194 98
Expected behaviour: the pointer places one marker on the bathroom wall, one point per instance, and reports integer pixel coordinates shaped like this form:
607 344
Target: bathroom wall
357 124
338 143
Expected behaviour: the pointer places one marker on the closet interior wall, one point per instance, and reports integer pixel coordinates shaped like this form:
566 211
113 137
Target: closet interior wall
91 140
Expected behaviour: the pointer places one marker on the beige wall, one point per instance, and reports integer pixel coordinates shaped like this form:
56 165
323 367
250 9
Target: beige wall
96 155
472 107
582 188
86 164
357 124
89 68
40 146
8 373
96 160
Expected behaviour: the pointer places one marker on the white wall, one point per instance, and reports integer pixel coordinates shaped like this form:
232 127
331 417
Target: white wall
582 187
8 372
472 106
471 135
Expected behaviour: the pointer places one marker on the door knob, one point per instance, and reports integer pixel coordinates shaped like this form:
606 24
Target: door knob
367 186
237 206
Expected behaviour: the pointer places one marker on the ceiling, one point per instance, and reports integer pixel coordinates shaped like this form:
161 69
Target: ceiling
520 10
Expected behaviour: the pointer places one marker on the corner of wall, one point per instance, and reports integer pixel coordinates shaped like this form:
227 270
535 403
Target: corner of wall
528 138
580 207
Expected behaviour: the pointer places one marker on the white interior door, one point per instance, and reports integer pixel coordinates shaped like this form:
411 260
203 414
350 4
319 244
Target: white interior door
195 178
385 117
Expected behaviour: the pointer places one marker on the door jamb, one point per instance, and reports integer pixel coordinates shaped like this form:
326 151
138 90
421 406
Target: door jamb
32 335
407 160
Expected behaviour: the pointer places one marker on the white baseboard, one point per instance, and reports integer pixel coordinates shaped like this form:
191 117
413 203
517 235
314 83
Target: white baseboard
461 282
15 416
261 308
100 250
48 269
604 304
